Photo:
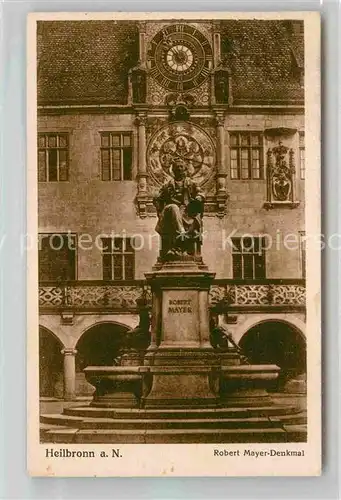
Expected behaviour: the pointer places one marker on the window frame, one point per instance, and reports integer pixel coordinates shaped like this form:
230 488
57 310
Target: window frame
238 242
45 149
41 236
123 254
121 147
250 148
301 149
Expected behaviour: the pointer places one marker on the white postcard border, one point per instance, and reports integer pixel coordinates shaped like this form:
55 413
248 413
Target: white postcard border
184 459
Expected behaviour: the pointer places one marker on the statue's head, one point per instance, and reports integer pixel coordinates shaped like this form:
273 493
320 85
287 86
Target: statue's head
179 169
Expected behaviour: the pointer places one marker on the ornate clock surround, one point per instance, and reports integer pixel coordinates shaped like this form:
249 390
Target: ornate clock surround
179 57
176 73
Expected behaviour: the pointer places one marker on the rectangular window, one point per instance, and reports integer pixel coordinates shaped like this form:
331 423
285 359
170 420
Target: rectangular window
53 157
57 257
246 155
118 259
303 254
116 156
248 258
302 155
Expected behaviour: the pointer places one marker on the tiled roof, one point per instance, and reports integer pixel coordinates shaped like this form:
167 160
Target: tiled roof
85 60
265 59
88 61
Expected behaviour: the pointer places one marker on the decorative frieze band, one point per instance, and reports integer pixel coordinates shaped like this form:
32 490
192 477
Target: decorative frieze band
81 297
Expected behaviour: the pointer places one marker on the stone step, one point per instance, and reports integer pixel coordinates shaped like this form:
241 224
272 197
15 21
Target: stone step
128 424
151 424
294 419
64 420
60 419
217 423
108 436
122 413
58 434
297 433
46 429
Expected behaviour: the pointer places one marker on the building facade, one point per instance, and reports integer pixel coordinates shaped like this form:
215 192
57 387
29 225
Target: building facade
118 101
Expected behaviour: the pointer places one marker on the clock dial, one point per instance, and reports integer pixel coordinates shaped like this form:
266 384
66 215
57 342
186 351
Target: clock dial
180 57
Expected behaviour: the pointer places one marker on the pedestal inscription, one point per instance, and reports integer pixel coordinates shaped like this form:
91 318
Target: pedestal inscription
180 318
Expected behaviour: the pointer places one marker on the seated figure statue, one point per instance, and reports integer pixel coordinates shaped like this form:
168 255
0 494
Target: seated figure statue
139 338
180 207
221 338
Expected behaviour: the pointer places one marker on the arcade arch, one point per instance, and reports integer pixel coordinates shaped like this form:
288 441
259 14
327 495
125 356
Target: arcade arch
50 364
99 345
277 342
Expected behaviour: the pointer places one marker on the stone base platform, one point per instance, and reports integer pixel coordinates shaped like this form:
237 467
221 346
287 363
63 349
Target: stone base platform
263 424
184 404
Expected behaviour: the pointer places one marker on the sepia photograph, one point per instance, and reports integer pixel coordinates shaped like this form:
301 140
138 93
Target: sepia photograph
169 163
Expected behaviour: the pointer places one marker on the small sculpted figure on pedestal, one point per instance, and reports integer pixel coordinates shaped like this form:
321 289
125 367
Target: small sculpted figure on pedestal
221 338
221 85
180 207
139 88
138 339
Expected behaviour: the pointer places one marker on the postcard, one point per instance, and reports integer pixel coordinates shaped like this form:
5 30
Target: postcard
174 244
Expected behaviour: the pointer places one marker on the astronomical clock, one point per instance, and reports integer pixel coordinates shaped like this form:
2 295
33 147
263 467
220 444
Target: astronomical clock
176 85
184 141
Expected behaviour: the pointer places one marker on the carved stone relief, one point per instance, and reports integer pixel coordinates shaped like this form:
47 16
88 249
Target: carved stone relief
280 176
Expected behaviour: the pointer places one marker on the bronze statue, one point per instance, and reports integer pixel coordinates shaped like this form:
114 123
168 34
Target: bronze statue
221 338
139 338
180 207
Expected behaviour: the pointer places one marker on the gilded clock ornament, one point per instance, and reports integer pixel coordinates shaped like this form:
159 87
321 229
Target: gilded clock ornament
181 141
180 57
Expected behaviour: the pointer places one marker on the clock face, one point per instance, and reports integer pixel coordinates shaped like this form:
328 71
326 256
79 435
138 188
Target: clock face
180 57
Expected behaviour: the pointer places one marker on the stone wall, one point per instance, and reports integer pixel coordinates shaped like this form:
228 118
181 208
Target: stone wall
87 205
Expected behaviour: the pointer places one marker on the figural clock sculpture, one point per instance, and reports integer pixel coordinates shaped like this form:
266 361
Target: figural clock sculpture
180 57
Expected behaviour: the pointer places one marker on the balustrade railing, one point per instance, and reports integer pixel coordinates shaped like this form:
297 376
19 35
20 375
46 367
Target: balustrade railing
123 296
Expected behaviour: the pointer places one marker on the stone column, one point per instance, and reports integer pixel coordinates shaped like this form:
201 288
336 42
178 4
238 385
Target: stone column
216 56
221 166
216 44
142 167
142 42
69 373
221 193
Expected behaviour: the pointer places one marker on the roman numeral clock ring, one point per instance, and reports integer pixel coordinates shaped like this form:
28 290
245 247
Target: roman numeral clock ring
180 57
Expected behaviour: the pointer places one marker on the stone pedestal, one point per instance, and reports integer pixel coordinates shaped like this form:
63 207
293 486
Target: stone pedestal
181 359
